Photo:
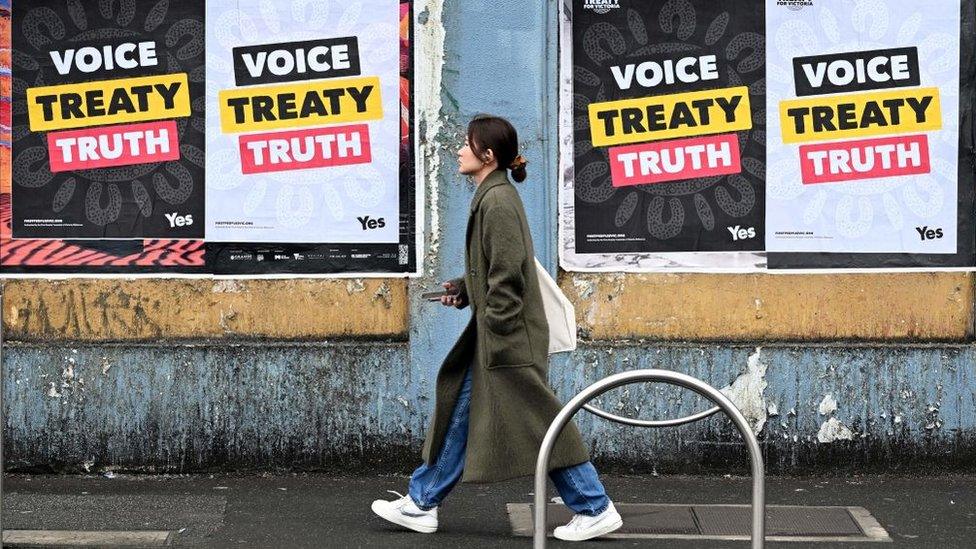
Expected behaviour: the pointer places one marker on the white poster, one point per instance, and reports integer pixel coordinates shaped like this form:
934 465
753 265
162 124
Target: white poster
863 132
303 121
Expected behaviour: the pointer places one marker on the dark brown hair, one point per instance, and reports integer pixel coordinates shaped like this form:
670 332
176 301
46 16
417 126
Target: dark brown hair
495 133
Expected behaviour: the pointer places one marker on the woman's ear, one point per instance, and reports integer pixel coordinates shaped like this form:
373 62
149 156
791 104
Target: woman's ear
489 156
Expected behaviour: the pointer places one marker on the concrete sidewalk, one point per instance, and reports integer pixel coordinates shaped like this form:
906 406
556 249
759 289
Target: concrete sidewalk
297 511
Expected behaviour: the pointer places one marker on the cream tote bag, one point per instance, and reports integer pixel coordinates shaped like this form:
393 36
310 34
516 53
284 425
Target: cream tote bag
560 313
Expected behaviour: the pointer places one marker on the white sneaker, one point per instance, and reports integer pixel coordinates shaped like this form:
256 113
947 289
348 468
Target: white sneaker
405 512
583 527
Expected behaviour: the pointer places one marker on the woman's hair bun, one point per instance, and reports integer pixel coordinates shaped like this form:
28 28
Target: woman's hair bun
518 168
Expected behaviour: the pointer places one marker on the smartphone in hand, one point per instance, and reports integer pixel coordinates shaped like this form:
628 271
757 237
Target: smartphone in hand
435 296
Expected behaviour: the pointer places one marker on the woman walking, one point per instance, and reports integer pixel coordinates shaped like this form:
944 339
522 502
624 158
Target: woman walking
493 401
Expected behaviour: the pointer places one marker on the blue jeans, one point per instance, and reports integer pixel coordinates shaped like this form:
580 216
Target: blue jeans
579 485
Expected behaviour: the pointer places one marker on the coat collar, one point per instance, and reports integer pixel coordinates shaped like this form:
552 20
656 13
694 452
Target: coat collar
494 179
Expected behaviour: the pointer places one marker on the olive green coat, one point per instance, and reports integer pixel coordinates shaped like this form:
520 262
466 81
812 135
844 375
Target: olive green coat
507 344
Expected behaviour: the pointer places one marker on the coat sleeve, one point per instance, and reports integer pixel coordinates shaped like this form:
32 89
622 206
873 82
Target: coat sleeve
504 250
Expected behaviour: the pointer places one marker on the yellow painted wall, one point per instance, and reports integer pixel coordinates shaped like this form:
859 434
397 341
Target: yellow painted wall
750 307
146 309
689 307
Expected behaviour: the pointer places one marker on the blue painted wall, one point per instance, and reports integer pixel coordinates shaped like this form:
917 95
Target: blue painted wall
199 407
359 407
499 58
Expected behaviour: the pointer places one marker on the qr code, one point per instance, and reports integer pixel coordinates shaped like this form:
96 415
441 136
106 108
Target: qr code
404 257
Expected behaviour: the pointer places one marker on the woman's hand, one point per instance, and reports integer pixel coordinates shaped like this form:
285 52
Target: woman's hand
456 299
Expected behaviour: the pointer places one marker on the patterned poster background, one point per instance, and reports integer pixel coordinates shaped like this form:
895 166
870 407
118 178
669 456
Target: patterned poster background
134 70
349 257
308 168
85 256
849 207
920 219
689 210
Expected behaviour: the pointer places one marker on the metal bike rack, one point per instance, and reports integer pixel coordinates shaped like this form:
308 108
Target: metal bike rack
670 378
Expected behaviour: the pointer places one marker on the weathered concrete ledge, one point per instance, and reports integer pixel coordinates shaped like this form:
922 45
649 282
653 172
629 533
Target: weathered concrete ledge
359 406
151 309
911 307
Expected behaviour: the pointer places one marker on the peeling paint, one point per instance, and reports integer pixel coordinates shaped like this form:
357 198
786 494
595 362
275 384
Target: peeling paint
827 406
228 287
584 287
355 286
427 97
746 392
833 430
383 293
226 316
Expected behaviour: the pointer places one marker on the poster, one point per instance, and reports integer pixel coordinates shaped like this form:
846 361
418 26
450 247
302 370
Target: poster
108 134
668 134
82 256
863 116
309 137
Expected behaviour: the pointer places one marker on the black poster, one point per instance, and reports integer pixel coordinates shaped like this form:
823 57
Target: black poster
108 119
669 120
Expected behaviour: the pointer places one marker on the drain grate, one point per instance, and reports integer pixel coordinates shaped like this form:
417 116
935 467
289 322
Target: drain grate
722 522
726 520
